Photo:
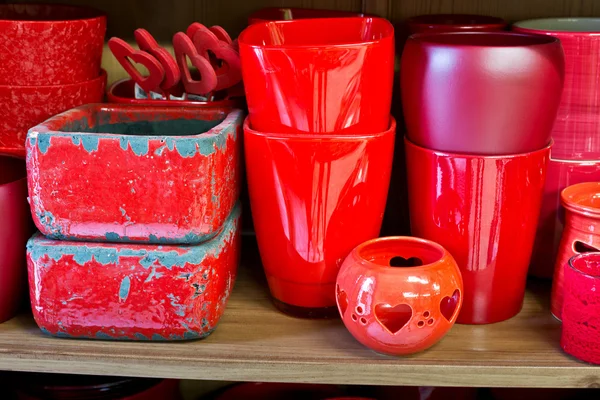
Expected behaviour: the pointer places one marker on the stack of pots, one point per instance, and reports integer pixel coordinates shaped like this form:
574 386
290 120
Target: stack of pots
319 144
51 58
479 109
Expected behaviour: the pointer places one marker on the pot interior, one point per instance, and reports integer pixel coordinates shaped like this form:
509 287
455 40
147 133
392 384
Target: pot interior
587 264
484 39
45 12
400 253
561 24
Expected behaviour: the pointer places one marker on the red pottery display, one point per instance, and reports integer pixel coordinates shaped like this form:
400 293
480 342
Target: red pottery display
314 197
174 173
488 93
22 107
278 391
455 23
576 132
484 211
399 295
284 14
48 44
581 308
330 75
124 291
581 233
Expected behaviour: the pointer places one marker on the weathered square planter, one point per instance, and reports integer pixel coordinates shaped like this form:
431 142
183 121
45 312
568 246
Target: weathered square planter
122 173
131 291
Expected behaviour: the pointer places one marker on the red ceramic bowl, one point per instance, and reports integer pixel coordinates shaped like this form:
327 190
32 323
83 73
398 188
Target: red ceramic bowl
455 23
282 14
481 93
330 75
47 44
279 391
22 107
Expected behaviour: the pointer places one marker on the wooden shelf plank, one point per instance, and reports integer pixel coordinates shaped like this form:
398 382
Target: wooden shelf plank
254 342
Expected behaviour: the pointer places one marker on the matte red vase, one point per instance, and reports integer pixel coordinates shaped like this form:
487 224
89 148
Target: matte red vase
48 44
399 295
484 211
455 23
313 199
581 233
330 75
488 93
283 14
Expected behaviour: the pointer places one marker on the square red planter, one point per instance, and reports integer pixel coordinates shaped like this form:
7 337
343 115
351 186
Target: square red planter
121 173
132 291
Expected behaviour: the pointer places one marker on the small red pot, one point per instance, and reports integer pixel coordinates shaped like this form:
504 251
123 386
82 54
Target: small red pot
399 295
455 23
581 233
314 198
48 44
279 391
484 210
22 107
488 93
331 75
282 14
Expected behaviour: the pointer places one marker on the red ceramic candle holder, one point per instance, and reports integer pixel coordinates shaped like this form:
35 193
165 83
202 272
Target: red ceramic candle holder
330 75
314 197
581 308
455 23
126 291
169 174
489 93
399 295
581 233
283 14
484 210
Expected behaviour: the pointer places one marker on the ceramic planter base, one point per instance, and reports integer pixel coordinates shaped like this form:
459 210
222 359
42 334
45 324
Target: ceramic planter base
130 291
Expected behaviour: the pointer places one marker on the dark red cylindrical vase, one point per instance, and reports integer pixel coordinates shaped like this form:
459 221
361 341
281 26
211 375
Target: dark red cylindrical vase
455 23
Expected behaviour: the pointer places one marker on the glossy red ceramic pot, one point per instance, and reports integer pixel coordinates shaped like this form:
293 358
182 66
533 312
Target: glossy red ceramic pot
489 93
279 391
399 295
48 44
576 132
581 308
455 23
560 174
22 107
581 233
331 75
284 14
484 211
314 197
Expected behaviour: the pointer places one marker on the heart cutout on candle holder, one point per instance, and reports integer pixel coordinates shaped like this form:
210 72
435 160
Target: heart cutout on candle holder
399 261
127 55
448 305
184 49
393 318
342 300
227 61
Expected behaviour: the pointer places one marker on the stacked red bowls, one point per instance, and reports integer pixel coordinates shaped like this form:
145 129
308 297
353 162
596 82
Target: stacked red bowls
479 109
319 145
51 58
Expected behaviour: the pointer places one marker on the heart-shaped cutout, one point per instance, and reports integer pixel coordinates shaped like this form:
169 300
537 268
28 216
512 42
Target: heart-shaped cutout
147 43
125 54
342 300
393 318
228 66
399 261
448 305
184 48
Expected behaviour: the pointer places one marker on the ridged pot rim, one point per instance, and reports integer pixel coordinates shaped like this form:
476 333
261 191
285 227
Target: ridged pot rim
514 40
522 26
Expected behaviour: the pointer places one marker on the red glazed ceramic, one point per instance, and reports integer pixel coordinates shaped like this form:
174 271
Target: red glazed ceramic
126 291
313 199
283 14
399 295
581 308
278 391
576 132
48 44
481 93
484 211
560 174
330 75
581 232
424 393
168 174
22 107
455 23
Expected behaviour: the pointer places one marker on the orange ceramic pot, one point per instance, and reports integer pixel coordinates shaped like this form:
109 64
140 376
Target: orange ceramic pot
399 295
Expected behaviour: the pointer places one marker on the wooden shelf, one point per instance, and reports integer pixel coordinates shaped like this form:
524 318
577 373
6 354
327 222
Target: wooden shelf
254 342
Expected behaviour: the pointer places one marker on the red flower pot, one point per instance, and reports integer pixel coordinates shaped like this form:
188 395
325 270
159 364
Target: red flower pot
576 132
174 173
455 23
581 308
282 14
481 93
47 44
22 107
126 291
319 75
581 233
484 211
399 295
313 199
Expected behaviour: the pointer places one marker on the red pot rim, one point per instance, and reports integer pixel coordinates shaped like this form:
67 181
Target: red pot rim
573 261
483 40
578 197
102 76
519 26
467 21
87 13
